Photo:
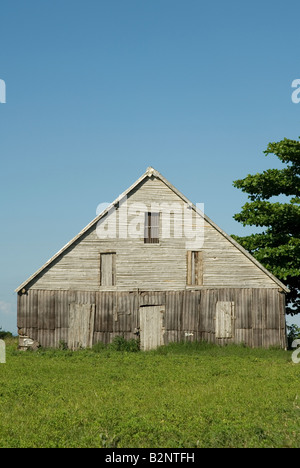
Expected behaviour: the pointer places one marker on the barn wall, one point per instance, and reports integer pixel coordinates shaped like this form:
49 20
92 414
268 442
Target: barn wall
160 266
259 315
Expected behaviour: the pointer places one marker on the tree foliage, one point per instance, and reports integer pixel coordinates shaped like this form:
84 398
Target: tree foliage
277 247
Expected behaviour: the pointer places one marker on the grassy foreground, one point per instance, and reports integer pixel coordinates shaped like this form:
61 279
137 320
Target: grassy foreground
183 395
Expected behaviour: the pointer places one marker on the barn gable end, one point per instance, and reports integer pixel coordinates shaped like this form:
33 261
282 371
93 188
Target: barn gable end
109 271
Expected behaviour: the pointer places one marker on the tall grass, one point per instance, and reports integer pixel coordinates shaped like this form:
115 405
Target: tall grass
181 395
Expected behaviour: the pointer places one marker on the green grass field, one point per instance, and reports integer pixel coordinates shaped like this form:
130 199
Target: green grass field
180 396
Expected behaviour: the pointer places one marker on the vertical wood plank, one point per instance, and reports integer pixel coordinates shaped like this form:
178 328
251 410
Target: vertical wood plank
151 327
224 319
199 268
189 267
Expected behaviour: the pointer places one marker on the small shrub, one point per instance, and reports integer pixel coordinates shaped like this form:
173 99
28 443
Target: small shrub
5 334
98 347
120 344
63 345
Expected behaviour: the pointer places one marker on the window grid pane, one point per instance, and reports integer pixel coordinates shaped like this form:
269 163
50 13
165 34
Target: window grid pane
151 231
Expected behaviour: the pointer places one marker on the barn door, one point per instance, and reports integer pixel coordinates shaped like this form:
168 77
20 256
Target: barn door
151 327
224 319
81 325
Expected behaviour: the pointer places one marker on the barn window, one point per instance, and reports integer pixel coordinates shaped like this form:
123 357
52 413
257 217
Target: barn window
108 269
151 228
194 268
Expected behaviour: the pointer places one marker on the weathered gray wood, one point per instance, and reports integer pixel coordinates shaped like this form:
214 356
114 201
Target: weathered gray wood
81 325
21 319
105 311
194 268
189 268
199 268
259 307
154 267
224 319
208 302
125 312
191 312
151 327
188 315
282 320
152 298
257 338
243 304
174 308
243 336
108 269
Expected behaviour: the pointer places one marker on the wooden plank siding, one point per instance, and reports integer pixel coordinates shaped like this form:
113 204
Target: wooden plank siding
111 277
161 266
152 327
259 319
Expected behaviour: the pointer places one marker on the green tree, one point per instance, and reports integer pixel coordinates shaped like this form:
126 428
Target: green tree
293 334
277 247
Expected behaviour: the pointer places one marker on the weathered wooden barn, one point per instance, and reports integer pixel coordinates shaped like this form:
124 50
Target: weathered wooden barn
152 264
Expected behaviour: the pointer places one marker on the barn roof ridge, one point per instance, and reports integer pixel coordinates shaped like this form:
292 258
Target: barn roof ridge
150 172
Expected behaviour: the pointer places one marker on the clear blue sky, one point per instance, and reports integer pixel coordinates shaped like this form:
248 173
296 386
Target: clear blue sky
97 90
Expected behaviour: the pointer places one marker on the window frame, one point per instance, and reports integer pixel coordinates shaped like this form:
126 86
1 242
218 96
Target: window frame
151 226
194 268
